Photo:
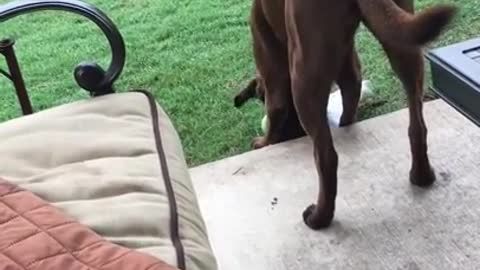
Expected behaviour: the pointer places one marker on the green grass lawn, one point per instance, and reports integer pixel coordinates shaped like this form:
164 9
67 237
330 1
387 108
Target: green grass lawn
193 55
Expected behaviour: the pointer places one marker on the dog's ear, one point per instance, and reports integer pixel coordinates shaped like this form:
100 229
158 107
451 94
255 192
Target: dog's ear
246 94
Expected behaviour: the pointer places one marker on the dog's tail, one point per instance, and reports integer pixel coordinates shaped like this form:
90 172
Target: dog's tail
391 24
246 94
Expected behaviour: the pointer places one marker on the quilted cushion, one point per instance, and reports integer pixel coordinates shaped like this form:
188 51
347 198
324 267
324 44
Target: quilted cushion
115 164
35 235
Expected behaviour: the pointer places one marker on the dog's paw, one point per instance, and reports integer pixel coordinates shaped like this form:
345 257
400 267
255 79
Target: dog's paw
346 121
259 142
423 177
317 219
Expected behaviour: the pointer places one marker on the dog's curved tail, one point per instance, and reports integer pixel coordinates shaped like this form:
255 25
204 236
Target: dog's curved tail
391 24
246 94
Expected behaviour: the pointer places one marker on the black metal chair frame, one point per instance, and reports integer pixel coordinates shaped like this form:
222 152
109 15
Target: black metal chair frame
88 75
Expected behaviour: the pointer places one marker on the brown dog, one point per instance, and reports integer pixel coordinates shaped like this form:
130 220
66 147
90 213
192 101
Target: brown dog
302 47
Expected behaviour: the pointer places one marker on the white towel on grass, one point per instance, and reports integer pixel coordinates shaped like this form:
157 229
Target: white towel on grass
335 105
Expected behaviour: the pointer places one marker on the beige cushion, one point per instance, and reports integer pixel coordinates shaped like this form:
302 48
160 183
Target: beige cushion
100 161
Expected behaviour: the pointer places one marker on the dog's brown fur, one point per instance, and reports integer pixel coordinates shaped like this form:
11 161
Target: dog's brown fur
302 47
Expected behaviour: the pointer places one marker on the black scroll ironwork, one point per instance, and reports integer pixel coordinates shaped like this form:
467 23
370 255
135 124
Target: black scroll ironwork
88 75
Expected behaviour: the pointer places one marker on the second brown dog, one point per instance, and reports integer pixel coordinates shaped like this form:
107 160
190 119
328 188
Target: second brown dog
302 47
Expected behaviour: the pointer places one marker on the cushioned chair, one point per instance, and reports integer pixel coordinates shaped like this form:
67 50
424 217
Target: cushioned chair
114 162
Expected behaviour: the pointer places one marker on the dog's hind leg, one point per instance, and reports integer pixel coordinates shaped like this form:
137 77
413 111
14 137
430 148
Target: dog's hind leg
409 66
317 51
350 83
311 91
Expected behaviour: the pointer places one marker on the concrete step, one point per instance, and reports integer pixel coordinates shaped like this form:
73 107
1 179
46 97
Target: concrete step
252 203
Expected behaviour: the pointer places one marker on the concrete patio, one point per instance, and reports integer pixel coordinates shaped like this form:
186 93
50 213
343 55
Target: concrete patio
252 203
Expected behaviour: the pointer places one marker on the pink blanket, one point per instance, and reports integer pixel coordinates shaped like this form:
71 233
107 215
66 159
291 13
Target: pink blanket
36 235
